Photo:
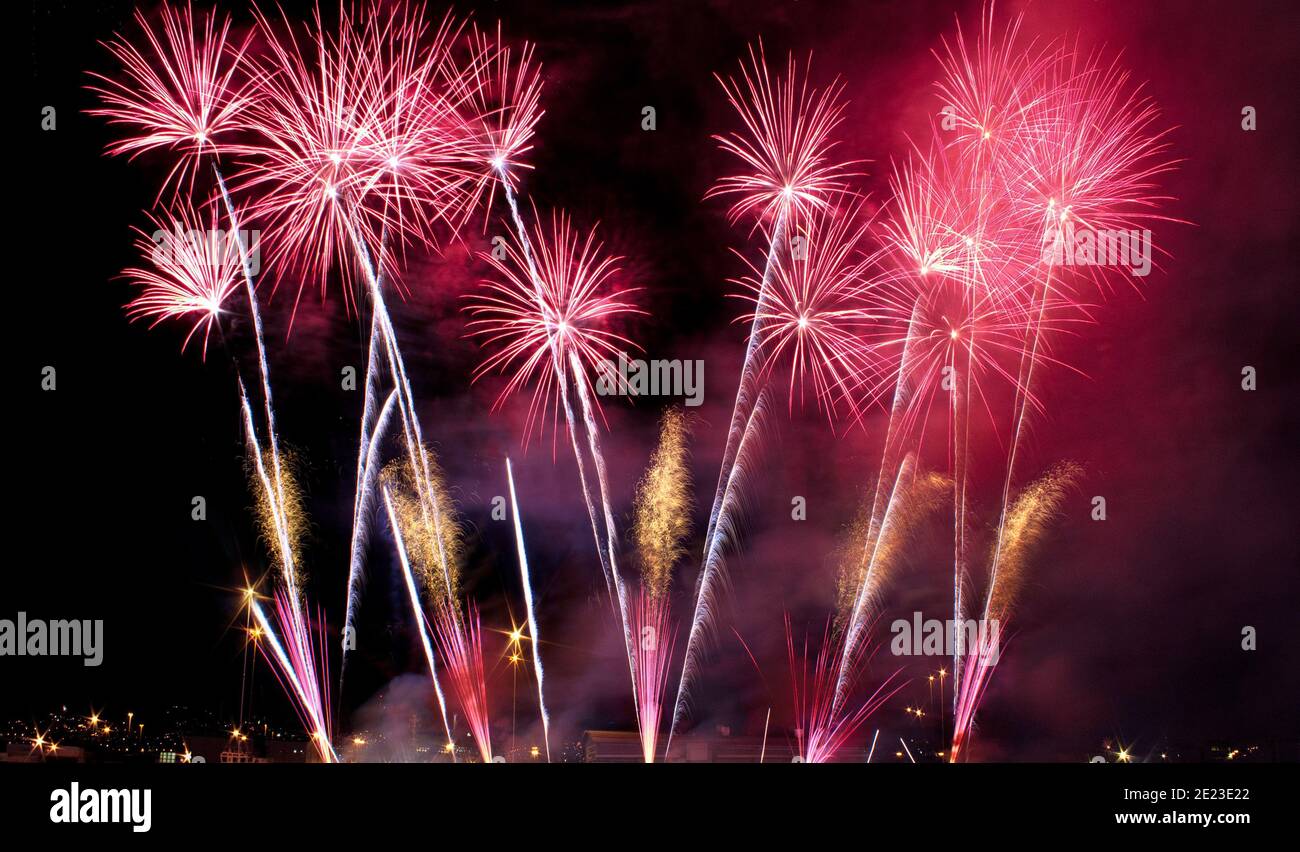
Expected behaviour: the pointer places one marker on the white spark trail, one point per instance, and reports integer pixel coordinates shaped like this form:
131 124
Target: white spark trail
714 560
421 621
526 579
719 519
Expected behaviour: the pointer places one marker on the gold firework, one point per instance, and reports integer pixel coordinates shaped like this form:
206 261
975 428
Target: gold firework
663 506
293 507
429 526
1026 522
872 549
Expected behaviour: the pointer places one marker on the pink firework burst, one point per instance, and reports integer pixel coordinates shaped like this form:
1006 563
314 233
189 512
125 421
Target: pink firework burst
561 313
194 266
786 146
992 89
822 311
1086 161
183 91
358 146
499 92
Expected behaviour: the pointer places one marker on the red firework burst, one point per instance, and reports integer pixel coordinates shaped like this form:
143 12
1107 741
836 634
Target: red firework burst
182 92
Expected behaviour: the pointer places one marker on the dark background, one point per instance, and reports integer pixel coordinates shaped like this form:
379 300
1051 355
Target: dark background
1129 629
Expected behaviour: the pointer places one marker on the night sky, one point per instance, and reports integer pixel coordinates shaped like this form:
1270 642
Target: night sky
1129 628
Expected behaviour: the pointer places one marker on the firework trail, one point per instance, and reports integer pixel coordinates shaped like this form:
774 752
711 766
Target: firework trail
435 549
367 464
714 573
546 311
655 638
787 173
282 521
662 507
435 546
181 97
821 730
662 511
872 554
866 581
460 643
611 534
418 610
525 578
1025 524
298 668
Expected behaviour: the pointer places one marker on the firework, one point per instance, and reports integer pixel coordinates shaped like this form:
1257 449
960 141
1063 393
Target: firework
432 535
280 510
662 507
460 644
788 173
501 94
526 580
554 324
548 314
194 270
1025 524
357 151
786 145
874 548
662 520
297 668
821 729
417 610
553 296
820 310
182 97
182 93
